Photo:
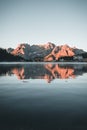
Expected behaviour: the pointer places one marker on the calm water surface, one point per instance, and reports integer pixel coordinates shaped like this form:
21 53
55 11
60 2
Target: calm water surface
43 96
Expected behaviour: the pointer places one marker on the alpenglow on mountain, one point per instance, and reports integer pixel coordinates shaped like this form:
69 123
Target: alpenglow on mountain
48 52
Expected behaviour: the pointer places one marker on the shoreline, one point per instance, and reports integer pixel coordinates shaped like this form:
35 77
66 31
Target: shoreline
1 63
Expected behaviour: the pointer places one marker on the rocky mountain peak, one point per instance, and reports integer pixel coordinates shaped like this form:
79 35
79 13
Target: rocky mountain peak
45 52
47 45
20 50
22 45
60 51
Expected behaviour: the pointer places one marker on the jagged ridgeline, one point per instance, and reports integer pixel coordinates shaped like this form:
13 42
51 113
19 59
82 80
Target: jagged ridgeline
47 52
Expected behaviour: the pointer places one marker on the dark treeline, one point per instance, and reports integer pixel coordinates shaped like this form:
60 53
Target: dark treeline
84 55
5 56
66 58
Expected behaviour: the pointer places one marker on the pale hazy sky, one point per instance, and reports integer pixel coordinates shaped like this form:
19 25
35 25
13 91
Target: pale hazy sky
41 21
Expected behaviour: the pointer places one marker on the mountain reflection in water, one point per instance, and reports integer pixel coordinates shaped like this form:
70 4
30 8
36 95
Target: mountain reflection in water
37 105
43 71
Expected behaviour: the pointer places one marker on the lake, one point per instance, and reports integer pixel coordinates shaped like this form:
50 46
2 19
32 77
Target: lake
43 96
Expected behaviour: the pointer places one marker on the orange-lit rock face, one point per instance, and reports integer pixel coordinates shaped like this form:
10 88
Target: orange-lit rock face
34 51
58 52
50 58
45 52
19 49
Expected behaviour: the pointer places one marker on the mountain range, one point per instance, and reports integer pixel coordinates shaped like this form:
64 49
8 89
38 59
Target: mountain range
47 52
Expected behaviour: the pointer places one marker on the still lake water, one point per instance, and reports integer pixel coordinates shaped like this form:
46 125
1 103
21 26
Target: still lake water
43 96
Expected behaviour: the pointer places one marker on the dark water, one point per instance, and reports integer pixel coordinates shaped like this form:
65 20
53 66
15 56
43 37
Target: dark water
43 96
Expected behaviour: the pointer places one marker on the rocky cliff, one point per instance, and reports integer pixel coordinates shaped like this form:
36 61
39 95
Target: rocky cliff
45 52
33 52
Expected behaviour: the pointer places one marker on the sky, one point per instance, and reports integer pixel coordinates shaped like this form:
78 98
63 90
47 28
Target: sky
41 21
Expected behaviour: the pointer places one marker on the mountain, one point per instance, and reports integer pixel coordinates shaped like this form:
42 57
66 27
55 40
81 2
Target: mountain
9 50
60 51
43 52
33 52
47 52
